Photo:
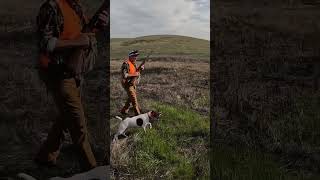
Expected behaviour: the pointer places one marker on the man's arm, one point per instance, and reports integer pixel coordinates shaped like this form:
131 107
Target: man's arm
134 75
82 41
46 27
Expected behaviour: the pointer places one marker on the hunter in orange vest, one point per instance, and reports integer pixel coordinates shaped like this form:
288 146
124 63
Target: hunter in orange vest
60 24
130 73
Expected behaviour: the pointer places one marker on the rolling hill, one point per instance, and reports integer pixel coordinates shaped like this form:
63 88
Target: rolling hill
161 45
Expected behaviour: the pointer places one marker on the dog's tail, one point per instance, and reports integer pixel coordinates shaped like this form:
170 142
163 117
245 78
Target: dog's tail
119 118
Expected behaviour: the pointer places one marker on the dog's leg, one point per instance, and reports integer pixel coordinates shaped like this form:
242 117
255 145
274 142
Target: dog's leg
144 128
150 125
124 135
119 118
122 130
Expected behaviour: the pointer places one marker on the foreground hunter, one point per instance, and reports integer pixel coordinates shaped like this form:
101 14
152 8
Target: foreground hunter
66 46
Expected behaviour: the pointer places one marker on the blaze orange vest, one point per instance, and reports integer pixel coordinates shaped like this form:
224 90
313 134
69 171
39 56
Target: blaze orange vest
72 22
71 28
132 68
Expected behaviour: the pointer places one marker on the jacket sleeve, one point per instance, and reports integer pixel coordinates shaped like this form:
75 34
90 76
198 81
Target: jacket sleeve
46 27
125 70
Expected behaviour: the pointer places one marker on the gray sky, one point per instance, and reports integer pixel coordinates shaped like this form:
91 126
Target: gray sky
133 18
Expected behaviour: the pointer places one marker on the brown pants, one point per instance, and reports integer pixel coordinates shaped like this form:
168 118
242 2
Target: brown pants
66 94
132 98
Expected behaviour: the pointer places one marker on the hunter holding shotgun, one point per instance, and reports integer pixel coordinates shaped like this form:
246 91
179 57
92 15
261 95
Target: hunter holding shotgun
67 45
130 78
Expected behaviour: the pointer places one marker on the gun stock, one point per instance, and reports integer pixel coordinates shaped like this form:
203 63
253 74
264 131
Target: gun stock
135 80
144 61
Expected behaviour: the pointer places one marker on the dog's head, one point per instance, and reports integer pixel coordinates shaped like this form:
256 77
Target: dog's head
154 115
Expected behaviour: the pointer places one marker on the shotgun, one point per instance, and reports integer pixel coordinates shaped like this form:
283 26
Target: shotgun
136 80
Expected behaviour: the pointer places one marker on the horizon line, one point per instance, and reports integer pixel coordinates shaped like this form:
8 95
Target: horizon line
159 35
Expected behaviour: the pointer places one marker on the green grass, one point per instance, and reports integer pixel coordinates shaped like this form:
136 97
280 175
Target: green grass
240 163
161 45
299 128
176 147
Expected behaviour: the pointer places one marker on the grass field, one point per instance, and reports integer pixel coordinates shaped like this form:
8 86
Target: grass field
266 92
176 147
240 163
176 83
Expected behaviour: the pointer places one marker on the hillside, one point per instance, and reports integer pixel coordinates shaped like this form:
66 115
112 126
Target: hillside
161 45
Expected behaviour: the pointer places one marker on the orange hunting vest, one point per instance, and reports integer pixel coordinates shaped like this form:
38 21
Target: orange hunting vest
71 28
72 22
132 68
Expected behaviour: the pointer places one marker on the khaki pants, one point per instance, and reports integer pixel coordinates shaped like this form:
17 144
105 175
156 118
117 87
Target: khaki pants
66 94
132 98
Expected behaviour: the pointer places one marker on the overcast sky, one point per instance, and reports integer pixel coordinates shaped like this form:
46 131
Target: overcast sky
134 18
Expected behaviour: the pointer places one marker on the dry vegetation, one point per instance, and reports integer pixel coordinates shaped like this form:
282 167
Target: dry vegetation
179 84
265 79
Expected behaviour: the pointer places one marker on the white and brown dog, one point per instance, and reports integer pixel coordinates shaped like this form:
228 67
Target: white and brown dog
142 120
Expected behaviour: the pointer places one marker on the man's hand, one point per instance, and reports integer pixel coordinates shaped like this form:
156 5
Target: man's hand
103 19
142 68
137 74
48 34
84 39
